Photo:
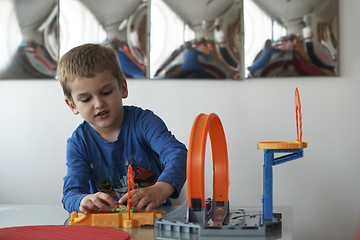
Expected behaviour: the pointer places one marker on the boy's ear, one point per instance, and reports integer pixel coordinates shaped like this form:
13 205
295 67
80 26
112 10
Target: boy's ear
124 89
71 106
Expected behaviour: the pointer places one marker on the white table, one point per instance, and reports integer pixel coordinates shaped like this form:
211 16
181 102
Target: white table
28 215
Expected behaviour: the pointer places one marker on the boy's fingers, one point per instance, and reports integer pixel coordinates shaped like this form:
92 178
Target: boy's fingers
104 200
137 196
88 207
99 203
150 207
142 203
134 203
106 197
83 210
122 199
115 205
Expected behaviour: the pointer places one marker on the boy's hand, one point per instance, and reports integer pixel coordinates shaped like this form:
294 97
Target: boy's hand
94 202
152 196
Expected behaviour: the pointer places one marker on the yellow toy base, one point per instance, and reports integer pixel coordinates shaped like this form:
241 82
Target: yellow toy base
115 220
282 145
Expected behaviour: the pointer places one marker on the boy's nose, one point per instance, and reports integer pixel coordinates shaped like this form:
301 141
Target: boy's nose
99 103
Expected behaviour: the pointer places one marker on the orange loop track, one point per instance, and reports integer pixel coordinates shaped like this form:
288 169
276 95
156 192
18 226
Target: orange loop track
203 125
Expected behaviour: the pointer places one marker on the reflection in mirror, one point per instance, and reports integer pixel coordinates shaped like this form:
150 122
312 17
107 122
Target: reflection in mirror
196 39
121 24
291 38
29 39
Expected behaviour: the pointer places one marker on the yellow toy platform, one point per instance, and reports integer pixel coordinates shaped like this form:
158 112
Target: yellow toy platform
115 220
123 216
282 145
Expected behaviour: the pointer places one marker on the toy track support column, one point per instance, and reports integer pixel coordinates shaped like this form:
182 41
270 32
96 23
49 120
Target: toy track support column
204 124
267 200
270 149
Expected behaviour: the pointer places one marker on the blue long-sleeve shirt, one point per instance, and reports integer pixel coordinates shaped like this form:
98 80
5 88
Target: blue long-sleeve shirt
191 60
263 60
144 142
128 66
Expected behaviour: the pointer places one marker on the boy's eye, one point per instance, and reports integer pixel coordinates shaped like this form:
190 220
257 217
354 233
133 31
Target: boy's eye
107 93
85 99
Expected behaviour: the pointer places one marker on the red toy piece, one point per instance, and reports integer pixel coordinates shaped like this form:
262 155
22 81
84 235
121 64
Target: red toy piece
298 116
130 183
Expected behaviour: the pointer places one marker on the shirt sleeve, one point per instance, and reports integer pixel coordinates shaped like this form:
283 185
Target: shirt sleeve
172 153
206 57
76 182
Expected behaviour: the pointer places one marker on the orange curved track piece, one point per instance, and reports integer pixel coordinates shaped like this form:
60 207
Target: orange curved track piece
202 125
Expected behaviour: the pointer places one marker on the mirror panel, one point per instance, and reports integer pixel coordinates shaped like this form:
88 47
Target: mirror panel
185 42
38 32
122 24
274 38
30 43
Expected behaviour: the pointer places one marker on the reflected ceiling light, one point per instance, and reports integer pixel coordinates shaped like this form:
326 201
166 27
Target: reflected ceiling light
203 24
123 24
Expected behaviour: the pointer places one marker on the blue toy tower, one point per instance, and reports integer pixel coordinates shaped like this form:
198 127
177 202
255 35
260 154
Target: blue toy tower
295 150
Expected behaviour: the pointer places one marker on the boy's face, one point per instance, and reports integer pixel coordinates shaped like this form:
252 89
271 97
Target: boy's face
99 101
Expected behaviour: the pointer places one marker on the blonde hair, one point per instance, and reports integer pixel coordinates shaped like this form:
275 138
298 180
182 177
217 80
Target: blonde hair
86 61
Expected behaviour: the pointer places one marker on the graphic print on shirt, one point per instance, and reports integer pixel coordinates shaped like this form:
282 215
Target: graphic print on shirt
107 187
142 178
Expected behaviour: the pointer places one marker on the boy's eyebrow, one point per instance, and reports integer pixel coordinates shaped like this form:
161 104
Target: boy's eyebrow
81 94
106 85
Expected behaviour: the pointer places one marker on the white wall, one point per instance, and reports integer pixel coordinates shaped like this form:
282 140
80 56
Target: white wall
323 187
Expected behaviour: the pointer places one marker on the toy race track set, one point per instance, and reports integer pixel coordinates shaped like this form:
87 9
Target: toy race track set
193 217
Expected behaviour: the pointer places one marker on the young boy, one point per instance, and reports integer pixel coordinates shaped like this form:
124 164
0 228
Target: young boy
112 136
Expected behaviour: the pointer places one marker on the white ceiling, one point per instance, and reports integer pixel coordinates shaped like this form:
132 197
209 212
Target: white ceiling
110 12
191 11
31 13
289 10
194 11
